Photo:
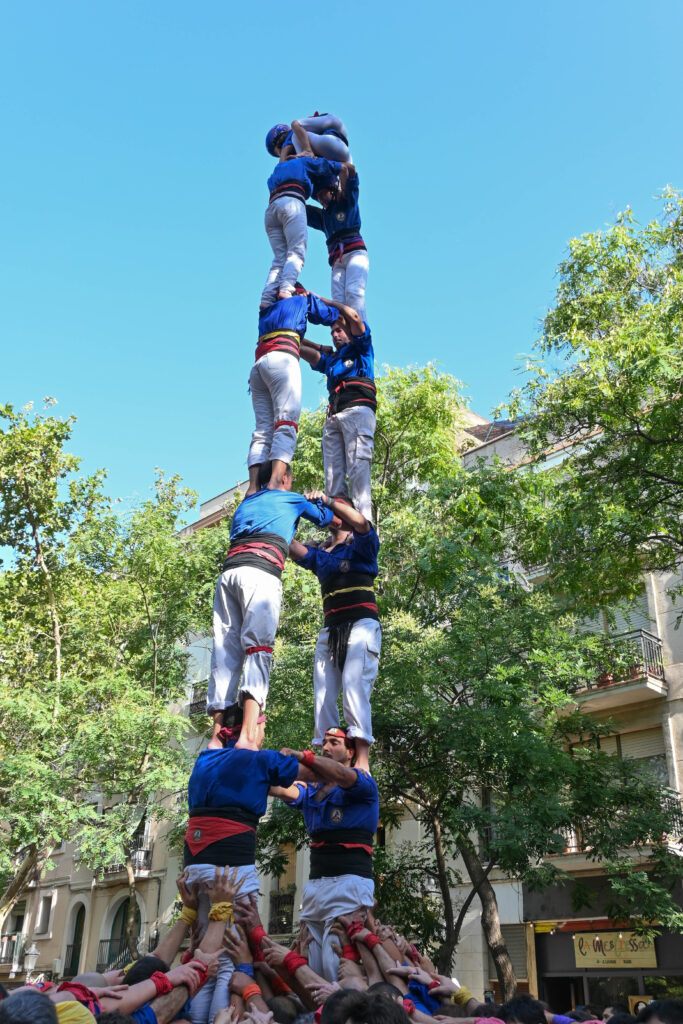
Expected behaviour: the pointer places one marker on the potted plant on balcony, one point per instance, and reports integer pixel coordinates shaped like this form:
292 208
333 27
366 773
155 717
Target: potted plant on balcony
606 663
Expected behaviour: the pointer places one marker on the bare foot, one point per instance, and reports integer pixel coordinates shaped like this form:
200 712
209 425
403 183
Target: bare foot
249 491
244 744
214 742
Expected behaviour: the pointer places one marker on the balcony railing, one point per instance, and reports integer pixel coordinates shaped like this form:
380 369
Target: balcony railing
112 954
281 917
140 858
634 655
12 950
71 960
198 699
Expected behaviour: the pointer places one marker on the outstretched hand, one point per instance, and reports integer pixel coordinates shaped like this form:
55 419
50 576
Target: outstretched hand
188 894
236 945
225 886
246 912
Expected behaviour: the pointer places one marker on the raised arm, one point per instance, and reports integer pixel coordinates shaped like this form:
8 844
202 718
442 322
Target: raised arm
348 515
353 319
301 136
311 353
325 768
297 550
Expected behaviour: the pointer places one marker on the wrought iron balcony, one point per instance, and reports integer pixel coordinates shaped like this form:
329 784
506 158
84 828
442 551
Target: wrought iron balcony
12 950
281 916
636 655
198 699
112 954
140 858
71 960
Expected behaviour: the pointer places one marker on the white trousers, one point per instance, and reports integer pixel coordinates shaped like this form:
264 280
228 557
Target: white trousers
246 612
213 996
287 232
324 900
328 146
356 680
348 444
349 280
275 385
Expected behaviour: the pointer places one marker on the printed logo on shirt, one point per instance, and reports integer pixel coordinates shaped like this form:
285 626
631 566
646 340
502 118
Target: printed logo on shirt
348 363
197 834
336 815
340 215
344 565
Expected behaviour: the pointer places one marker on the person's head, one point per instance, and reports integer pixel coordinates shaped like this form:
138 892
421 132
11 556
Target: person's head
623 1018
338 746
283 1009
275 139
144 968
327 195
233 717
264 474
611 1009
91 979
488 1010
27 1007
346 1007
300 289
384 988
338 532
580 1015
340 332
661 1011
523 1010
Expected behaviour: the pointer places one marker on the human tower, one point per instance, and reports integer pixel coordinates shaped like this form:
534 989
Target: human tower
330 783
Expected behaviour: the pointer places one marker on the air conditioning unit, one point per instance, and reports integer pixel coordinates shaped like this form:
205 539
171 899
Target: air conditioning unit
57 967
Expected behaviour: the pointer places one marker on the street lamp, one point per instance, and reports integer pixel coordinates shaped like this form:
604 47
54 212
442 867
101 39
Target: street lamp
30 960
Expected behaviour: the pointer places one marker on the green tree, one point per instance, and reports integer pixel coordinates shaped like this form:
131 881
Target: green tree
472 710
604 389
95 607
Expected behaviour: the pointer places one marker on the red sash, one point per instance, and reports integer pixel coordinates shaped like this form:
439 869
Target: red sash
202 831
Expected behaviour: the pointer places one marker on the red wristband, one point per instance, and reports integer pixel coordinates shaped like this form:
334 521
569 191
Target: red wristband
161 983
354 928
293 961
318 1015
350 953
202 970
251 990
308 758
433 984
256 936
279 986
408 1006
371 940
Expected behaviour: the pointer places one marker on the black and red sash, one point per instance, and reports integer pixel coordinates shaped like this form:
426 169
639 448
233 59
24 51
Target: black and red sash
220 835
289 188
348 597
341 851
279 341
339 246
353 391
266 551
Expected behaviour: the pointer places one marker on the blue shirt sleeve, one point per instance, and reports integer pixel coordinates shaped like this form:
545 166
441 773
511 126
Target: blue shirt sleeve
281 769
310 559
363 343
364 788
320 313
314 217
352 187
366 544
323 363
144 1015
316 512
298 800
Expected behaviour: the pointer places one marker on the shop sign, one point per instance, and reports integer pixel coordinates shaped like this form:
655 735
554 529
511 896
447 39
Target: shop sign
614 949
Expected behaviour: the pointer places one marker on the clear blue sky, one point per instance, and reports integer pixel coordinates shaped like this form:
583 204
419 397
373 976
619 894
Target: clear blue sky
132 248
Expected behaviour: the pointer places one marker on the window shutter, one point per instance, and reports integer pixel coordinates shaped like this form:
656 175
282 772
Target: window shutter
647 743
514 936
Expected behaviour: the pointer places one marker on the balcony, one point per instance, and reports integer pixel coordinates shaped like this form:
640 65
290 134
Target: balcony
12 951
633 673
71 960
140 858
112 954
198 699
281 916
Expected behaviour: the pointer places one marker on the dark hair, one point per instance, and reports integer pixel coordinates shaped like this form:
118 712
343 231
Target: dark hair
524 1009
669 1011
487 1010
622 1017
144 968
114 1017
385 988
617 1008
264 472
284 1010
362 1008
29 1007
580 1015
232 717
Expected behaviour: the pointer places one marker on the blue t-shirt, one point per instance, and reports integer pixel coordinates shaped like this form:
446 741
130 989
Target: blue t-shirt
360 552
341 215
356 807
356 359
311 172
277 512
292 314
144 1015
239 778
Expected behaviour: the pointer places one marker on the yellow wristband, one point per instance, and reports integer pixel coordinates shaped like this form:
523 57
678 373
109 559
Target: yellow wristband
188 915
462 996
221 912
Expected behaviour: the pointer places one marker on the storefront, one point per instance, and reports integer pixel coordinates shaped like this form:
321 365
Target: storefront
590 962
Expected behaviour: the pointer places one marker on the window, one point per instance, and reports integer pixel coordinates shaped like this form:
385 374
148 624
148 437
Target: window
514 937
43 918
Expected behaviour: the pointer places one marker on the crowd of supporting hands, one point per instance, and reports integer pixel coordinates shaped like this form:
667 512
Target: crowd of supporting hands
383 978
